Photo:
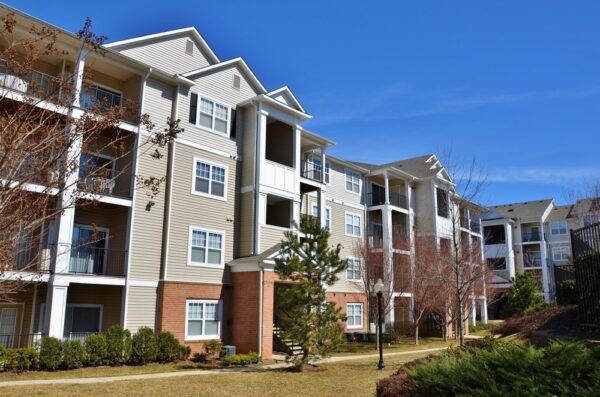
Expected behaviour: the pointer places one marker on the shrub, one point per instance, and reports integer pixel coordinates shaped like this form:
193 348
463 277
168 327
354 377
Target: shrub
561 369
241 359
144 347
523 296
95 347
118 345
184 352
50 353
213 347
480 327
73 353
199 357
527 324
19 360
169 348
3 352
566 293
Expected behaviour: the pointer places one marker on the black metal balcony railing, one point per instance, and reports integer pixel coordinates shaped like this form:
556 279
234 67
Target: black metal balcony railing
20 340
396 199
528 236
91 96
475 226
312 171
101 261
532 259
119 186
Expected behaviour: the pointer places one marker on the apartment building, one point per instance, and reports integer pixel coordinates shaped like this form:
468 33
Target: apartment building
533 237
197 259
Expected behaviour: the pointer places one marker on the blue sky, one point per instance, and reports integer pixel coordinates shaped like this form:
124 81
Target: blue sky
514 83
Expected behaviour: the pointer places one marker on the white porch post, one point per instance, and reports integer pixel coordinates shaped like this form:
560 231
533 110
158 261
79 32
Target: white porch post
56 305
321 199
323 165
544 264
387 187
473 312
484 312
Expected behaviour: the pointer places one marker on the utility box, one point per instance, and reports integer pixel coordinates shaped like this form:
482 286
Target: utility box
228 350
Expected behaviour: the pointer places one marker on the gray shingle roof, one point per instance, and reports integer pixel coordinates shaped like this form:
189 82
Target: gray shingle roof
526 209
416 166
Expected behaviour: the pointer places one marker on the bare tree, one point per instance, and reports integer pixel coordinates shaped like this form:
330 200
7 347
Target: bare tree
47 141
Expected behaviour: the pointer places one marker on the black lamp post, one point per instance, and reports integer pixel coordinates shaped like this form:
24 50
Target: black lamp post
379 291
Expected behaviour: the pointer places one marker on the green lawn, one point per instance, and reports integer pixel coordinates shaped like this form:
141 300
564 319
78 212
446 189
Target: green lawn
356 378
404 344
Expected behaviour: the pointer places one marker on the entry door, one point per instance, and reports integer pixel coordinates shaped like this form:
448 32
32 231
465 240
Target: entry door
8 324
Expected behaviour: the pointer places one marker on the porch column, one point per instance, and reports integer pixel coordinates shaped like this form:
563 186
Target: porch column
323 165
386 218
387 187
321 199
473 312
544 264
390 317
484 312
56 305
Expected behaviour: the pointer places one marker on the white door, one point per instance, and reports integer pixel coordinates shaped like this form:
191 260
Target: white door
8 323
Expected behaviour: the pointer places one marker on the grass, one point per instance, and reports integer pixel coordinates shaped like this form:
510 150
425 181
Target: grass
404 344
356 378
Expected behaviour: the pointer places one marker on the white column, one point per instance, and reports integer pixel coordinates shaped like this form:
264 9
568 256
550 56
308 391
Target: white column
544 254
56 305
484 312
387 187
323 165
473 312
390 316
321 199
297 157
386 217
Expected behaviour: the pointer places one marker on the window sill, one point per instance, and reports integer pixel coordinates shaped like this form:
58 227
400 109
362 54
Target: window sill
201 338
206 265
205 129
354 327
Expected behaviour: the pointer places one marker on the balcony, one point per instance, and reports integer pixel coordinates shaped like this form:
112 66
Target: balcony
312 171
21 340
475 226
102 97
375 236
464 222
528 236
532 259
87 259
38 84
378 198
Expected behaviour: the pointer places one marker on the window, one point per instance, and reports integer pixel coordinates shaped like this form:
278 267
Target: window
209 179
102 97
442 203
203 319
213 115
237 81
496 263
354 270
494 235
81 320
206 248
8 323
354 314
327 173
352 225
558 228
560 254
352 181
328 218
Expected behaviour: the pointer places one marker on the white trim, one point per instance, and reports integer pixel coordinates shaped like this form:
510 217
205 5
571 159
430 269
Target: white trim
235 61
355 206
211 164
204 264
194 33
143 283
559 223
353 258
362 314
208 148
287 90
561 250
346 213
346 170
215 102
219 303
278 228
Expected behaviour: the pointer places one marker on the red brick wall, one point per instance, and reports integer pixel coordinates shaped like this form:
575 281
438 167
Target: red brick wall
342 298
172 308
244 308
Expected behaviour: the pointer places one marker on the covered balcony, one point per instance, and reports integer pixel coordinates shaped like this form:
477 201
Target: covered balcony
531 232
314 166
387 188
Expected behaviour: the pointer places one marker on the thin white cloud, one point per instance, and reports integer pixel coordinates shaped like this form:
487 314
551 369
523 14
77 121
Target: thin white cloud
376 106
543 175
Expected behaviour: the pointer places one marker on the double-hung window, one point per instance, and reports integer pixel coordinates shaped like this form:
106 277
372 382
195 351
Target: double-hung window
558 228
560 254
327 173
328 218
354 315
354 269
209 179
352 181
213 116
203 319
206 248
352 225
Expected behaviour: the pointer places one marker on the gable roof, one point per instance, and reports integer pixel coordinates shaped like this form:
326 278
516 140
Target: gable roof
190 31
526 209
257 259
239 62
426 166
285 92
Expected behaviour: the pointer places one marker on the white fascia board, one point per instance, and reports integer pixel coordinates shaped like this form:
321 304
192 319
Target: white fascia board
235 61
348 164
276 104
287 90
317 138
191 30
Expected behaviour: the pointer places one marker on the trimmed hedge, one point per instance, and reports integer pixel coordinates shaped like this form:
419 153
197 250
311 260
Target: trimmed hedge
241 359
19 360
50 354
95 347
73 354
144 347
118 345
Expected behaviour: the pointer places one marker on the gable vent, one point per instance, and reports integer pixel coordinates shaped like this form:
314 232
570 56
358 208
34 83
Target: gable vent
189 47
237 81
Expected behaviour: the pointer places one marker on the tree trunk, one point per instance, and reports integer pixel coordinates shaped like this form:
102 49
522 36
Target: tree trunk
417 335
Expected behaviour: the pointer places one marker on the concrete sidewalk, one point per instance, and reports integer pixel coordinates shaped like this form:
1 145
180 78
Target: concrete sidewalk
195 372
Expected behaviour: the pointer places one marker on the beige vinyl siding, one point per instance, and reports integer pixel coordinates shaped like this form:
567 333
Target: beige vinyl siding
246 226
337 186
219 87
249 146
167 54
425 214
141 308
269 237
146 245
193 210
158 102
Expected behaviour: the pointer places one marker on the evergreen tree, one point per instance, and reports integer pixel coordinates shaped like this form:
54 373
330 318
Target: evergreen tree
311 264
523 296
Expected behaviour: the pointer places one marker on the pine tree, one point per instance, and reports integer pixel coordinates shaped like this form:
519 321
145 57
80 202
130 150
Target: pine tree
311 264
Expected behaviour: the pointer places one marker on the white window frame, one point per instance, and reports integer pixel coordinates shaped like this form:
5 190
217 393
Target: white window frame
211 164
353 214
215 103
219 316
206 264
354 259
559 223
362 314
352 172
328 219
327 173
562 252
